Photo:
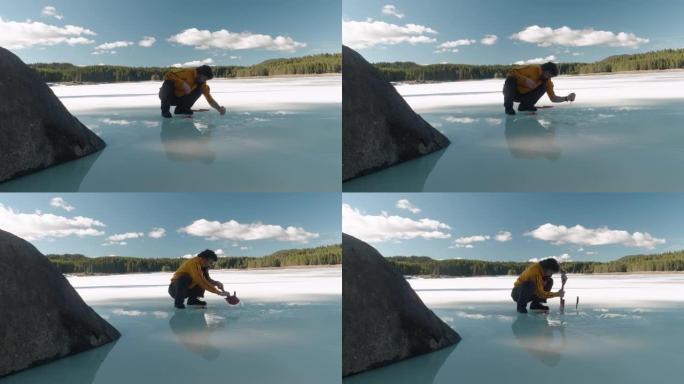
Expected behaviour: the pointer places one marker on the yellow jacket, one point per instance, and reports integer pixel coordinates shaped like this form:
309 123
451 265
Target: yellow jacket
193 267
188 75
534 73
535 273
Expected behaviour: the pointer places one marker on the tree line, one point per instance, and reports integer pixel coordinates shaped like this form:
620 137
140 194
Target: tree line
80 264
409 71
305 65
426 266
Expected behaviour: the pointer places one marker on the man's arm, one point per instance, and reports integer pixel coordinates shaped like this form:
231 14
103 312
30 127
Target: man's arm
212 102
559 99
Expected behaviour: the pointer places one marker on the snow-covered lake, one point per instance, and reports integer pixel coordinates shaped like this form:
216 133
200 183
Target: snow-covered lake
626 329
623 133
287 329
280 134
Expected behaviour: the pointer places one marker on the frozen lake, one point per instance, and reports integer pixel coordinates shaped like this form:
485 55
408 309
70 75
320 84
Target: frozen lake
622 134
287 329
279 134
627 329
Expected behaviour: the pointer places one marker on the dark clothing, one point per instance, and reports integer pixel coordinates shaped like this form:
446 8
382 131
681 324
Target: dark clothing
527 100
525 292
183 104
180 289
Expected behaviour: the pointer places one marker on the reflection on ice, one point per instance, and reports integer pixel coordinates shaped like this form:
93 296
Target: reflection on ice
530 138
194 331
541 338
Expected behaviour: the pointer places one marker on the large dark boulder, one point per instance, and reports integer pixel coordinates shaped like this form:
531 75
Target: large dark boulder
383 319
43 318
36 130
379 129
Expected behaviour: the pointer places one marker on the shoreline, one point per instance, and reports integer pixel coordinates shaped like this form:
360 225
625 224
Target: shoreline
71 83
327 266
569 274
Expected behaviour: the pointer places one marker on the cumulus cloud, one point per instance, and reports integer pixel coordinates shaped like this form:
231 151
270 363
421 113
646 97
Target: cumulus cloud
407 205
536 60
235 231
579 235
194 63
147 41
18 35
59 202
39 226
383 227
391 10
561 259
120 238
223 39
157 233
469 241
111 47
50 11
565 36
503 236
371 33
220 253
489 39
452 46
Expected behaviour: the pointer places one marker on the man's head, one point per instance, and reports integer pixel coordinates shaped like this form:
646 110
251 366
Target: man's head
204 73
550 266
208 258
549 70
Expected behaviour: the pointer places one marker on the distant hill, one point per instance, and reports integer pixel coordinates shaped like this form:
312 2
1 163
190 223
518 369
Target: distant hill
648 61
71 263
305 65
426 266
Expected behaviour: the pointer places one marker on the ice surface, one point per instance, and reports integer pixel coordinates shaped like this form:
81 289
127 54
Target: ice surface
287 329
278 135
622 134
627 329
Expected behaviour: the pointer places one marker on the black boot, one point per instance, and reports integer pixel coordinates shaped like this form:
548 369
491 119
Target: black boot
179 305
166 111
182 111
530 108
196 301
510 111
522 308
538 306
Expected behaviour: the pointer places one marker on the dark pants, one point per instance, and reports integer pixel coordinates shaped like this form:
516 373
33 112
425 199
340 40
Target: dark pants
526 292
180 289
183 103
526 100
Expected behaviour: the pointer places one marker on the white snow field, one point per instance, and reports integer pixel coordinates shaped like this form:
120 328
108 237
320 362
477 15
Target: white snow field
279 134
287 329
626 329
623 133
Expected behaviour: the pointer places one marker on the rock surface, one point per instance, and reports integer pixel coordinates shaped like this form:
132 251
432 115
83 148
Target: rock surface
379 129
43 318
383 319
36 130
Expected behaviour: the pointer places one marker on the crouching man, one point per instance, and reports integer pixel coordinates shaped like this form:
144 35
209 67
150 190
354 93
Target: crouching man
534 285
192 279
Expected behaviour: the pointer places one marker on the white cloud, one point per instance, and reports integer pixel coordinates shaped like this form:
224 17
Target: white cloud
452 46
18 35
147 41
536 60
120 238
110 48
383 227
371 33
467 242
579 235
187 256
50 11
59 202
489 39
232 230
194 63
391 10
38 225
223 39
565 36
561 259
157 233
503 236
407 205
244 248
220 253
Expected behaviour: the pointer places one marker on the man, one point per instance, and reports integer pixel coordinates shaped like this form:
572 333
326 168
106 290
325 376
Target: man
527 84
192 279
182 87
534 285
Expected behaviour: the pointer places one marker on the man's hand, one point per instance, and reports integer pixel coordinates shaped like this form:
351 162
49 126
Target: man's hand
571 97
222 110
529 83
219 285
224 294
186 88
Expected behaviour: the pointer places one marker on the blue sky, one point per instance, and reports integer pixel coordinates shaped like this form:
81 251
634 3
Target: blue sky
315 23
462 225
442 21
240 224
